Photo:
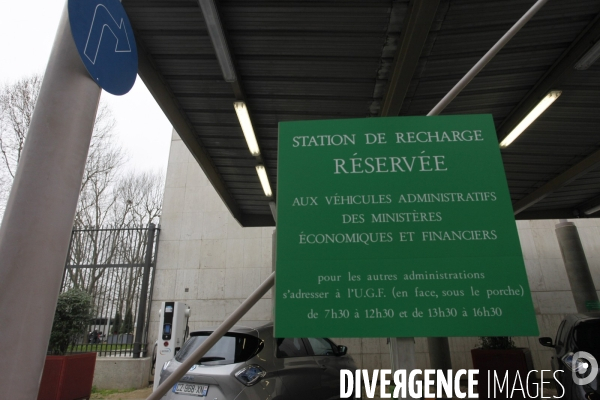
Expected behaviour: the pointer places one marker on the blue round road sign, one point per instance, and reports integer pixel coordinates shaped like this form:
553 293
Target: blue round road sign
105 41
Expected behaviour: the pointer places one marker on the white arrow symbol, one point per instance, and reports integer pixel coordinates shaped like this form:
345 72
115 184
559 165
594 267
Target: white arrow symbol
97 31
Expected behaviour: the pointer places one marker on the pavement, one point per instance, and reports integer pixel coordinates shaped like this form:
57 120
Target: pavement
141 394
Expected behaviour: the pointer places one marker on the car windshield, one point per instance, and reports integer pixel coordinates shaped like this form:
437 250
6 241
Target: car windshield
231 348
587 337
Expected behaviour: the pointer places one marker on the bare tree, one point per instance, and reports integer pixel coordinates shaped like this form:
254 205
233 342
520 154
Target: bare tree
135 201
17 103
140 204
141 198
107 199
124 203
132 202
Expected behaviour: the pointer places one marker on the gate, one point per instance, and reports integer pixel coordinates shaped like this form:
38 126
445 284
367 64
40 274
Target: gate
116 267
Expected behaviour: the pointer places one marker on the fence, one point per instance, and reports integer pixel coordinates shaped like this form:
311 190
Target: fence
116 267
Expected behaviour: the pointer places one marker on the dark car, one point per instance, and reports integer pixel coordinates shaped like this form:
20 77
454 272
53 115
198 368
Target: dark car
577 333
250 364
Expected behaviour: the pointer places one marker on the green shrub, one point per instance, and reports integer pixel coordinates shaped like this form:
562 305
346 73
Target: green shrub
71 319
127 326
496 343
116 328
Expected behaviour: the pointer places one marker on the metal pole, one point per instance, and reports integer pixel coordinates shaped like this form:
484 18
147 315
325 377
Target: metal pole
141 320
486 58
439 349
578 270
152 277
439 354
37 224
273 268
402 354
62 280
214 337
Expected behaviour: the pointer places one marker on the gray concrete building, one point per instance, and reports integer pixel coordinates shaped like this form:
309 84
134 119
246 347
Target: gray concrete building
208 261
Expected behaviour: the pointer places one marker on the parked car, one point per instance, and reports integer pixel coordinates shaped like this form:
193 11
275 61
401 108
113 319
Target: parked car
577 332
250 364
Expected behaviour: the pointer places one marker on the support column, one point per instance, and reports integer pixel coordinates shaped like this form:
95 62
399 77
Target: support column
37 224
141 314
576 265
439 349
402 353
439 353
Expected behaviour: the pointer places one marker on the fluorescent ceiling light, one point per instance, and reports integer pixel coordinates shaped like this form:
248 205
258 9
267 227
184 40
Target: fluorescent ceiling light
264 180
242 113
588 58
532 116
215 30
592 210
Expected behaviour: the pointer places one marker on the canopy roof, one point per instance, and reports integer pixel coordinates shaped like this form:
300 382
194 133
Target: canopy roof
324 59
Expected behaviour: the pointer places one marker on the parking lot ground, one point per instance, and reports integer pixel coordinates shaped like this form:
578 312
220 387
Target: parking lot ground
141 394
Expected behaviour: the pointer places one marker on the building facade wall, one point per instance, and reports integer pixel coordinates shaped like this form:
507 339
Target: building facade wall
205 258
208 261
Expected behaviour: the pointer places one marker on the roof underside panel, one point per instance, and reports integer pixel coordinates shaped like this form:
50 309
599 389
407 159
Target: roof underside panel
565 134
325 59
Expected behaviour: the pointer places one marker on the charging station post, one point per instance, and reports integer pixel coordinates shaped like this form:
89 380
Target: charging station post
172 328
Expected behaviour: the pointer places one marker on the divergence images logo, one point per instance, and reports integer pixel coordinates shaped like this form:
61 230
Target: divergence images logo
584 368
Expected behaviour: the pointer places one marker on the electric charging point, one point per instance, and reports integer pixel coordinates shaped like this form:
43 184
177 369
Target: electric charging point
172 331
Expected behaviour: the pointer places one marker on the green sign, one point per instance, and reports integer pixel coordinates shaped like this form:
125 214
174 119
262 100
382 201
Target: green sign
592 305
396 227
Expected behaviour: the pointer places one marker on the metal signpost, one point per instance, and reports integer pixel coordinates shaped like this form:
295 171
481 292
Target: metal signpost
398 226
37 223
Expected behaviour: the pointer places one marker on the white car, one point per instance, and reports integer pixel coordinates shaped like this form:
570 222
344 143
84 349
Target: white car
250 364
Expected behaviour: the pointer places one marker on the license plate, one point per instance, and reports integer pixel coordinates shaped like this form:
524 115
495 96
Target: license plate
193 389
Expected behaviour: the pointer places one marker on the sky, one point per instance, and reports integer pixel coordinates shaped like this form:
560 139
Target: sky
27 30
